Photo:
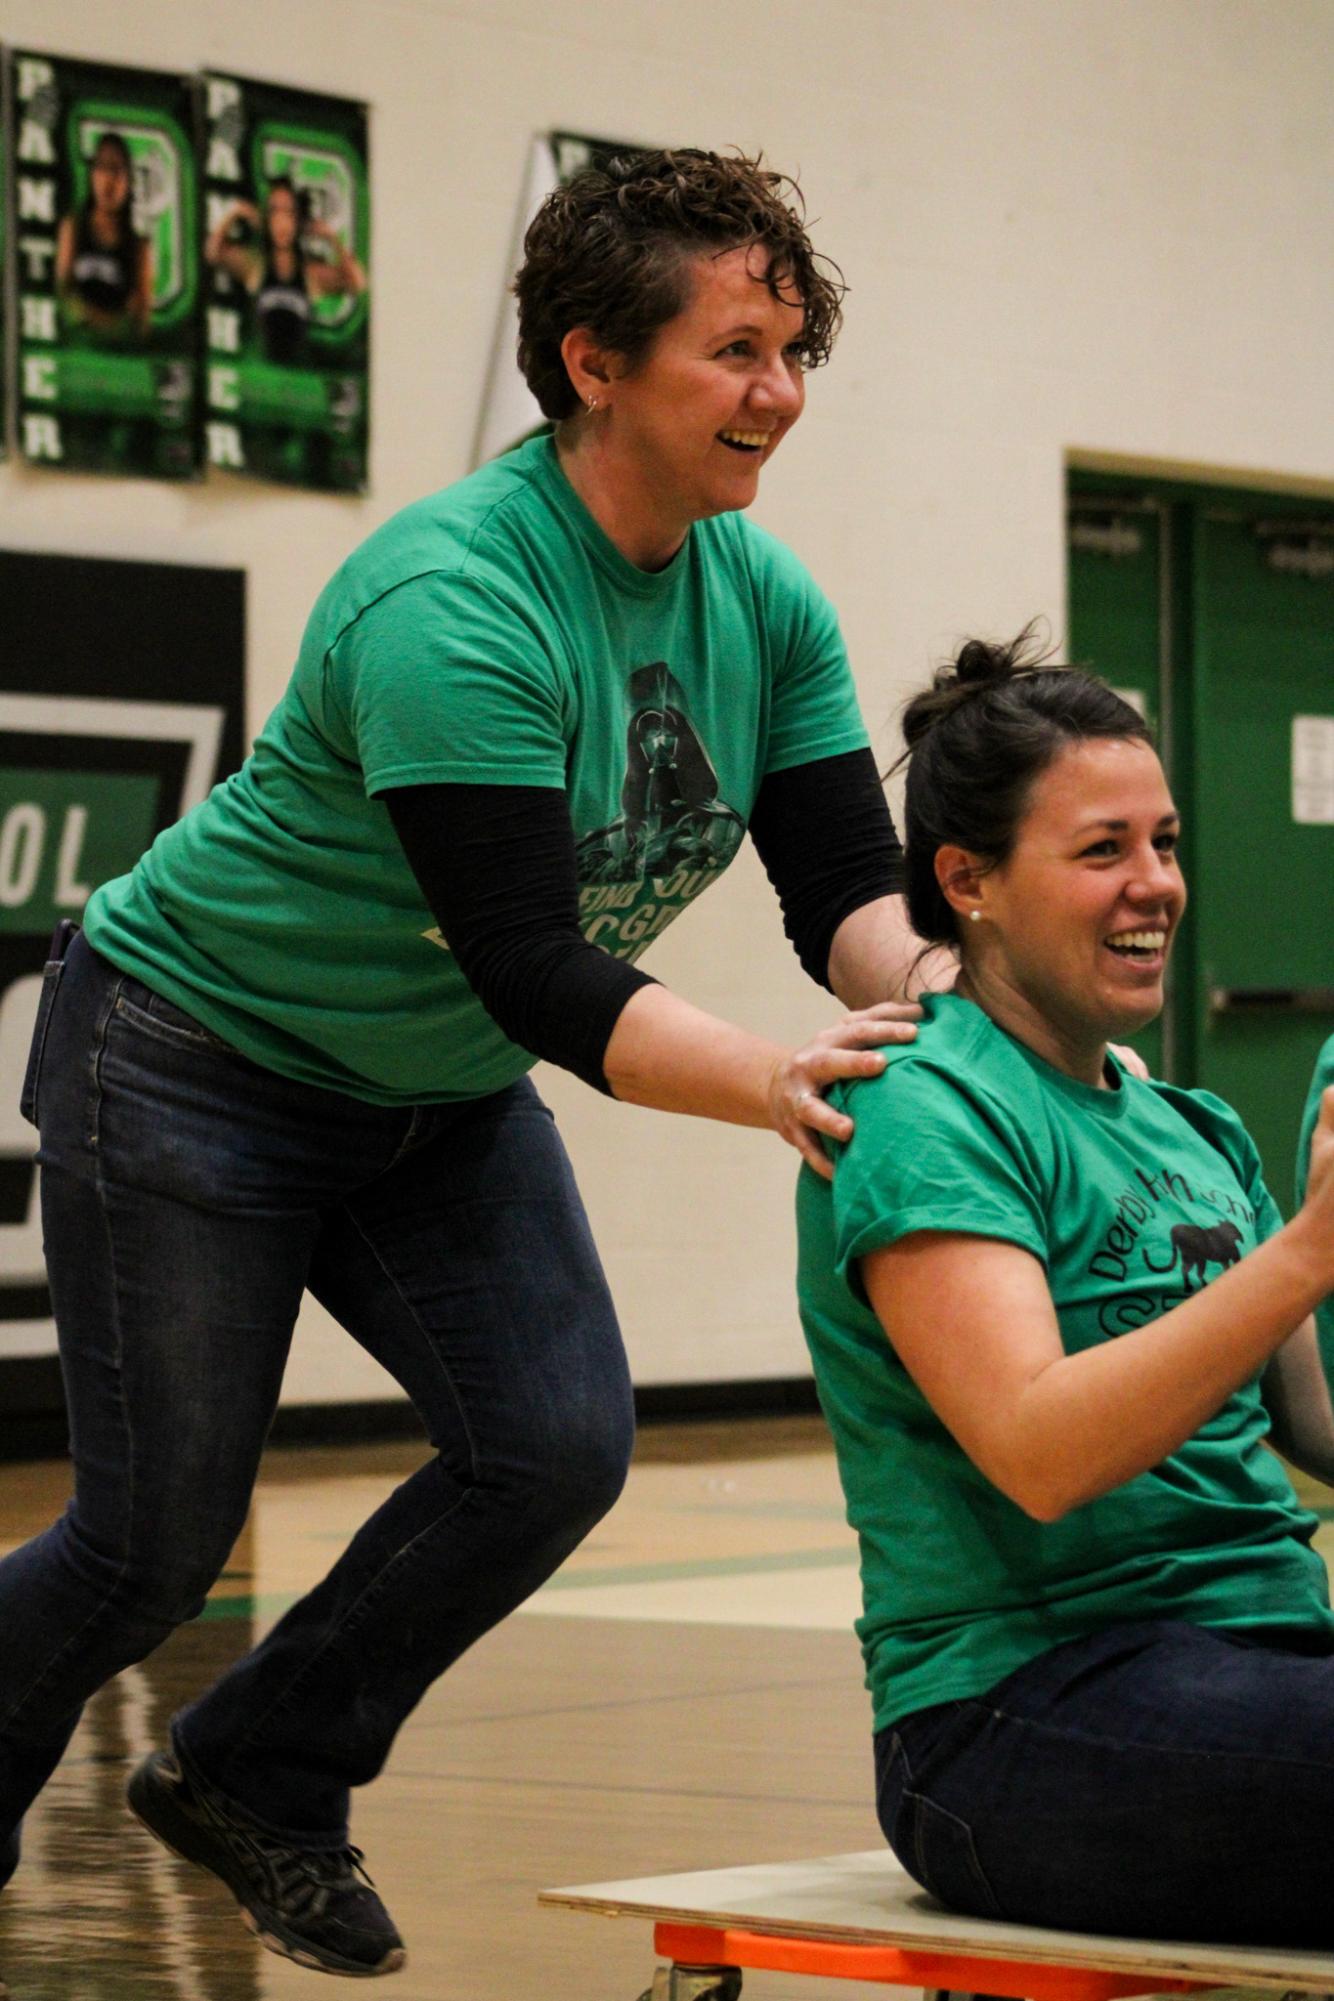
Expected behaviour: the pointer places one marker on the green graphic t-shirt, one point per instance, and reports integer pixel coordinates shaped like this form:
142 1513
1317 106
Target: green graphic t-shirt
491 634
1323 1078
1132 1198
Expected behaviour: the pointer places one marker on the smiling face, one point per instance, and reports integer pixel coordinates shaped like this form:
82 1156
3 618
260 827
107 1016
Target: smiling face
689 427
109 177
281 217
1075 926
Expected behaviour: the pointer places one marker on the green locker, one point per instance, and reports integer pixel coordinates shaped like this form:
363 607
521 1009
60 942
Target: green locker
1262 692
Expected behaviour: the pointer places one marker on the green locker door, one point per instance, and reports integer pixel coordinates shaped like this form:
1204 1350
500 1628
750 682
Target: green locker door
1118 557
1262 698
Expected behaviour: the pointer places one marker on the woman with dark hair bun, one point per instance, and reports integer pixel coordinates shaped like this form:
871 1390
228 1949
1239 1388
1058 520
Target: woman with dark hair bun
1054 1316
531 719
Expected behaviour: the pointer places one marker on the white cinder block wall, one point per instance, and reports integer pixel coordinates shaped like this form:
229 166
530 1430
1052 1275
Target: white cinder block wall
1065 225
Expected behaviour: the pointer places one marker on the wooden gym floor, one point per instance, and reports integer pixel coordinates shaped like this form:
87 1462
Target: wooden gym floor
686 1694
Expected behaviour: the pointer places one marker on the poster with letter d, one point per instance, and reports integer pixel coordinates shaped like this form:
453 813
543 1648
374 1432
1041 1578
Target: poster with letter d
286 249
106 255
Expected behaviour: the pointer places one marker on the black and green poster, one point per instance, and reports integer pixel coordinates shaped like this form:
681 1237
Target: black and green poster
120 707
286 248
106 254
4 299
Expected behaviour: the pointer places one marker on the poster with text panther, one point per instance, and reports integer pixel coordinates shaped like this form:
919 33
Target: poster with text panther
105 251
286 249
4 288
120 706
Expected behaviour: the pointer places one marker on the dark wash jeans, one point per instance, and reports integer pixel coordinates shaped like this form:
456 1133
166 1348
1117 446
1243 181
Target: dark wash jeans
188 1197
1159 1780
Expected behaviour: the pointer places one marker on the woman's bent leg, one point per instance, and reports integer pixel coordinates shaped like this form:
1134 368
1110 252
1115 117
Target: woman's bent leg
1160 1780
469 1272
174 1320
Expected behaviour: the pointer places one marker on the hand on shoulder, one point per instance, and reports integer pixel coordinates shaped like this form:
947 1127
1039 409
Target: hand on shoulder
849 1049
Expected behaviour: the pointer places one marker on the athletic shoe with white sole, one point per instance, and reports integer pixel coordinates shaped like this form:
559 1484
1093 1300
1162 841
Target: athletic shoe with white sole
315 1906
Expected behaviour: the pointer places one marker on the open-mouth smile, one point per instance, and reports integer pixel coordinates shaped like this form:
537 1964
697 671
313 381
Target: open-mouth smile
1144 947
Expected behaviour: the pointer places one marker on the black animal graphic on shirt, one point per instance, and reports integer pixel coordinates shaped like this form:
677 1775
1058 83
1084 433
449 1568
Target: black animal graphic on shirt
1197 1248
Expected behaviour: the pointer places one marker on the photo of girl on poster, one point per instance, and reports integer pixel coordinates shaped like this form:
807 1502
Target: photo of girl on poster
104 267
286 257
105 176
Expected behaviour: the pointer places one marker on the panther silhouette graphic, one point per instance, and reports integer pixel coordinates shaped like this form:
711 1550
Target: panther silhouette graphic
1197 1248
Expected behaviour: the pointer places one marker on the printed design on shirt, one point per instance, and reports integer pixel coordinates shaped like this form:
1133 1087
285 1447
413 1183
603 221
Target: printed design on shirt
1199 1248
1142 1246
674 833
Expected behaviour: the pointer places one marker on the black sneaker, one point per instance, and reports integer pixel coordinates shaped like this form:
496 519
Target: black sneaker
315 1906
9 1862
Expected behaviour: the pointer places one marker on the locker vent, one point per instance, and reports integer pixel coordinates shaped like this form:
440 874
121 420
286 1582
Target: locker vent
1105 531
1298 548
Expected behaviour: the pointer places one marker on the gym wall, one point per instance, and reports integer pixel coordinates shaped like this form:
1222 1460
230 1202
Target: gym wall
1066 227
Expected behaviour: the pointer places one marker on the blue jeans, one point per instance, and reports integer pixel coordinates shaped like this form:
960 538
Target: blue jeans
1159 1780
188 1198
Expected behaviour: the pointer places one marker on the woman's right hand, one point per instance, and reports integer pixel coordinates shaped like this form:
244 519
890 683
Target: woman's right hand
850 1048
1317 1209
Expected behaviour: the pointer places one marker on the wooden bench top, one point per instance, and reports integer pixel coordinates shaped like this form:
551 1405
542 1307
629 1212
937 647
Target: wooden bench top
868 1899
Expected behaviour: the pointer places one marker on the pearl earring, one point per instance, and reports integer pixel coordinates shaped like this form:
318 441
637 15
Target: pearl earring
974 915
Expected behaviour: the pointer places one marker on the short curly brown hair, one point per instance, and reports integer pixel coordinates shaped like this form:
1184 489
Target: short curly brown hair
609 250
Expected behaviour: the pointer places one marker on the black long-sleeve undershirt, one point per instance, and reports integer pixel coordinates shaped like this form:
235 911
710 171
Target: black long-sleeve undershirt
496 865
825 836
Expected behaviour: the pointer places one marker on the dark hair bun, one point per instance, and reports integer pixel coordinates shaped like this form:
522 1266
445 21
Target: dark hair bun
980 661
979 665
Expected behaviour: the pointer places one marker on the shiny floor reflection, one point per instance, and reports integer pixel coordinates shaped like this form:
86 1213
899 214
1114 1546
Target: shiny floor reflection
688 1697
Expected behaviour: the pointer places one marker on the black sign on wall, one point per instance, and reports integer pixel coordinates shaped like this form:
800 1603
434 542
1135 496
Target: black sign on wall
121 699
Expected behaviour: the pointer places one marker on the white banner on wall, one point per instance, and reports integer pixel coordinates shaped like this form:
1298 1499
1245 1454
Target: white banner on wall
509 412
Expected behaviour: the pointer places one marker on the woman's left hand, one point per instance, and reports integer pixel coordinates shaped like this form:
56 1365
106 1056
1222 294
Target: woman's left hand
797 1107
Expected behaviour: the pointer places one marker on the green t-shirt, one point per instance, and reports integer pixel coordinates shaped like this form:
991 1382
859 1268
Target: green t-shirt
1323 1078
1131 1198
491 634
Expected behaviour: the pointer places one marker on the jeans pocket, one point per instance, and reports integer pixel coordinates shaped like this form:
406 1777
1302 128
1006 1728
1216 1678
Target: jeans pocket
166 1022
46 1000
944 1858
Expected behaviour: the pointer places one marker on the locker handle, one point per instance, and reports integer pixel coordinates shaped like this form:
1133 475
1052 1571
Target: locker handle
1271 1000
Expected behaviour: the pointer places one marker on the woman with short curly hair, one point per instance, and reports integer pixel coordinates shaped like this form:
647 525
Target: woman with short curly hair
531 719
613 250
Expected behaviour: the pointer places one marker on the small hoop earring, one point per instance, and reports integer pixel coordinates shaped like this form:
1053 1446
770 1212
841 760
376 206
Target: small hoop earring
592 404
